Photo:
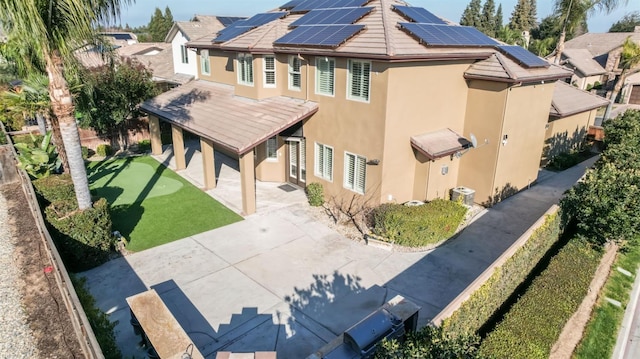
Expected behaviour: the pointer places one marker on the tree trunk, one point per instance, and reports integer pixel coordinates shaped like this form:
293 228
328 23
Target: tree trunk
63 110
560 47
57 141
616 90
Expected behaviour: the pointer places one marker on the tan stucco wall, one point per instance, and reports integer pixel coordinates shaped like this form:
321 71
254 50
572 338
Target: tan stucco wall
271 170
582 82
423 97
565 134
222 67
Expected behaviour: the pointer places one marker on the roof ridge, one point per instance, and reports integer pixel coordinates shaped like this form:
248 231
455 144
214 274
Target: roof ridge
504 67
391 50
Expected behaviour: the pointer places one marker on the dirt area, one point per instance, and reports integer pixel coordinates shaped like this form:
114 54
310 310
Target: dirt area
47 315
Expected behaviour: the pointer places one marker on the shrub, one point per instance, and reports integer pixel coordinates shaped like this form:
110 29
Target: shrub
55 188
562 161
99 321
535 322
486 301
84 238
144 146
38 158
103 150
85 152
315 194
416 226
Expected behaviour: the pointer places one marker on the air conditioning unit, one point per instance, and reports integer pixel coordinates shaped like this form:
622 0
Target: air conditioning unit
467 195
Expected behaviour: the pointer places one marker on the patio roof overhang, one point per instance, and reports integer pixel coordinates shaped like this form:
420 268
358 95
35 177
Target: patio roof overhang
440 143
238 124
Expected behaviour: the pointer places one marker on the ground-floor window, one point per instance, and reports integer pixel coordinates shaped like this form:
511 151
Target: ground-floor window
355 172
272 148
324 161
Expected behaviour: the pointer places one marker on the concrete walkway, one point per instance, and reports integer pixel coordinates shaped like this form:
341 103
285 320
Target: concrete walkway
281 281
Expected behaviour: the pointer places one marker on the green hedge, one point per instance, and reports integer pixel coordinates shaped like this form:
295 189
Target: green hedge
315 194
486 301
535 322
55 188
416 226
103 150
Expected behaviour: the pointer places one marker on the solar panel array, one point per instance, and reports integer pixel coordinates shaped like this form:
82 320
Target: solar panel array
319 35
240 27
228 20
523 56
418 14
447 35
291 4
308 5
332 16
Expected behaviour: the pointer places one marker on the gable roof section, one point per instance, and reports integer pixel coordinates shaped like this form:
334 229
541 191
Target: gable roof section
568 100
499 67
192 30
238 124
583 61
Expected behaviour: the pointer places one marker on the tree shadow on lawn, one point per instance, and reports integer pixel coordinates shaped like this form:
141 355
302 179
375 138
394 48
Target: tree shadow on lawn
105 168
126 217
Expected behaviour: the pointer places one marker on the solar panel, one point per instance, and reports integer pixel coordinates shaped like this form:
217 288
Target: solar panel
261 19
447 35
332 16
308 5
523 56
418 14
241 26
291 4
319 35
228 20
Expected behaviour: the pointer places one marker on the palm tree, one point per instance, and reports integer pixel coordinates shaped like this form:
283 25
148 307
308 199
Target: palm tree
629 61
574 14
55 29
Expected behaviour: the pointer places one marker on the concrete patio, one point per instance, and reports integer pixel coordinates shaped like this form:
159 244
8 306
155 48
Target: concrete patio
281 281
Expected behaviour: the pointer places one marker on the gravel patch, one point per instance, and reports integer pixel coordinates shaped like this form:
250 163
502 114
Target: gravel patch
17 338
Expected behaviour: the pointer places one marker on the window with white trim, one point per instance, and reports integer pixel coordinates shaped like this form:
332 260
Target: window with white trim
205 62
355 172
269 71
295 79
324 162
359 80
325 75
184 54
272 148
245 69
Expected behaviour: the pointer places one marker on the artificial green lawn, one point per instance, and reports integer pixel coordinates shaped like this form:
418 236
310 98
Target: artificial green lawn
152 205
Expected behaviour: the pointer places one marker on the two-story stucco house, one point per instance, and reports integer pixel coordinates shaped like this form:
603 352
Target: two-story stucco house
374 99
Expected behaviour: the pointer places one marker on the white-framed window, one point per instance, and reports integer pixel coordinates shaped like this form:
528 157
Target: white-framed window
269 71
184 54
295 80
205 62
245 69
358 81
324 161
272 148
355 172
325 75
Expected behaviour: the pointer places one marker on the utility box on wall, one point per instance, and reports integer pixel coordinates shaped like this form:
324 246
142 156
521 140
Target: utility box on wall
467 195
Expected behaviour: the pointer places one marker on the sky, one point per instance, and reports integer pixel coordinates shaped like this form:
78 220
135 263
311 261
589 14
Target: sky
183 10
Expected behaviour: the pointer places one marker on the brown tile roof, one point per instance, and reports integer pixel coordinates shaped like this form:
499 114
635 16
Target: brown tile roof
600 43
195 29
499 67
238 124
139 48
582 60
439 143
568 100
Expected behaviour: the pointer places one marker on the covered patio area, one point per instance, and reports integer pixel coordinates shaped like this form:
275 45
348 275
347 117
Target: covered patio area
224 123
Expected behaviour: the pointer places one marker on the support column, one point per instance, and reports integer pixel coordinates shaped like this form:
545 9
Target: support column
248 183
208 163
154 132
178 147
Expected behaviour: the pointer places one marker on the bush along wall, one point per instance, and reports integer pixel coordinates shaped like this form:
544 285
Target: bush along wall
83 238
486 301
535 322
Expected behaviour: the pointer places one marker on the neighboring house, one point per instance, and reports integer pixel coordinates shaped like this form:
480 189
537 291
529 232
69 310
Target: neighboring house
572 112
587 72
605 48
121 38
185 59
383 104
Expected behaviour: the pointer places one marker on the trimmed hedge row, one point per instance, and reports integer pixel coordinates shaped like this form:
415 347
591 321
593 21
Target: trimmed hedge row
485 301
535 322
416 226
83 238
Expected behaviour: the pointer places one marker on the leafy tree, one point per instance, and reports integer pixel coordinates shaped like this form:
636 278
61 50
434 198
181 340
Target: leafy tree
630 63
521 16
627 23
533 13
29 100
488 18
542 47
499 19
110 100
510 36
160 24
471 15
53 30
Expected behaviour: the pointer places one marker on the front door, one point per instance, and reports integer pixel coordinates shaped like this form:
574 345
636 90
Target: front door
296 161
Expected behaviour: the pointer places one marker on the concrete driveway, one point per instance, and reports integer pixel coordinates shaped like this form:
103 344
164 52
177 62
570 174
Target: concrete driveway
281 281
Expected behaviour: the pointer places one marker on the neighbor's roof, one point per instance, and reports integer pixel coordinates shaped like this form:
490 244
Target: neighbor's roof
238 124
140 48
203 25
600 43
568 100
583 61
439 143
161 65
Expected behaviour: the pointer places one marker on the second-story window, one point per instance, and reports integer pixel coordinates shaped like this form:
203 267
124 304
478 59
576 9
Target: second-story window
325 74
184 54
245 69
269 71
295 81
358 81
205 64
